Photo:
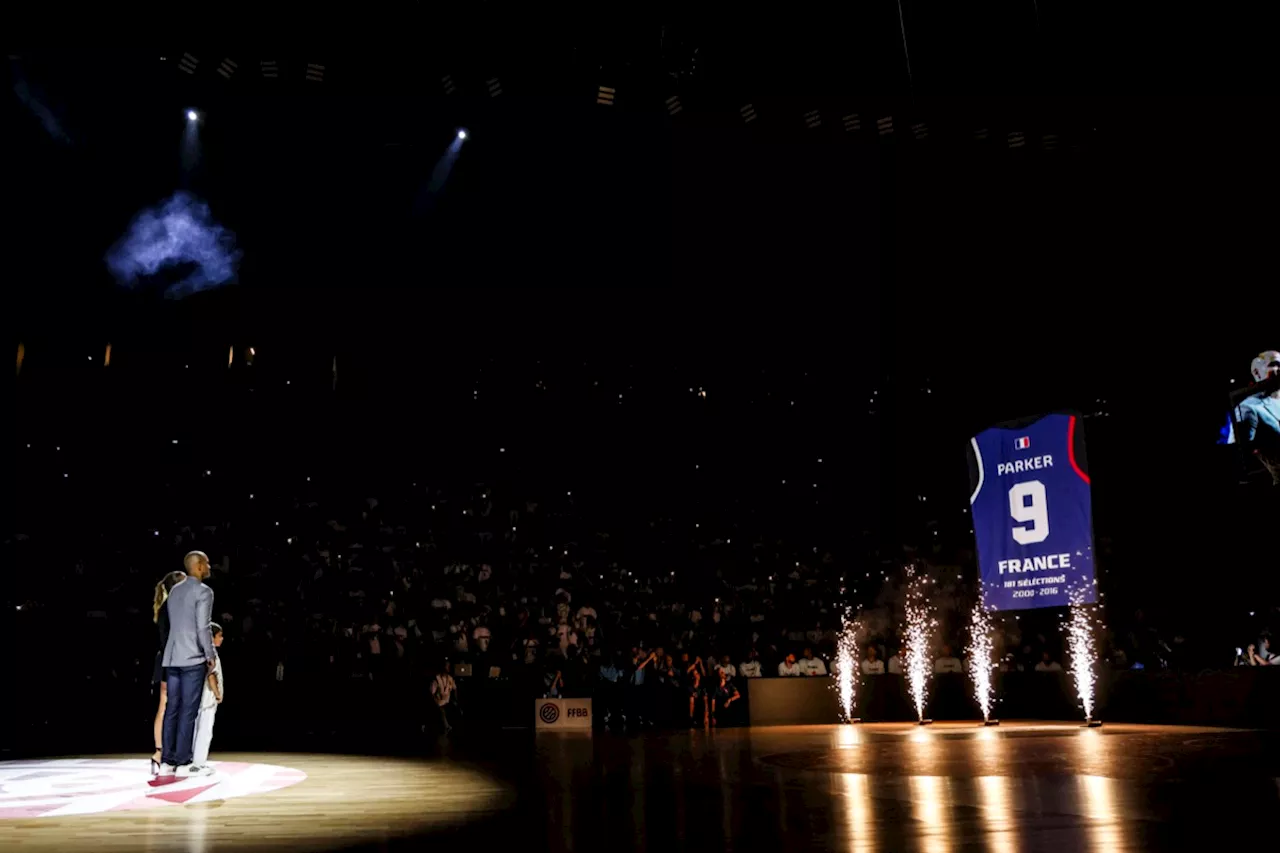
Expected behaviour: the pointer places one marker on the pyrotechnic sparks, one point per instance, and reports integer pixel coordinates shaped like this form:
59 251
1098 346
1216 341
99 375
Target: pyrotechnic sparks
980 656
847 667
1080 642
917 633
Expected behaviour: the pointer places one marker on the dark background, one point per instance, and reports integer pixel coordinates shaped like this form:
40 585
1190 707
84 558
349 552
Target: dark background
904 292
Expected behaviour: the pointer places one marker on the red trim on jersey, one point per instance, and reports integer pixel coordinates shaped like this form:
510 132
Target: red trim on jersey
1071 450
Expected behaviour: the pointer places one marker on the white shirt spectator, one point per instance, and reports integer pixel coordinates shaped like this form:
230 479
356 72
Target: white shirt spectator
788 669
749 669
873 667
812 666
728 669
1049 666
895 665
948 664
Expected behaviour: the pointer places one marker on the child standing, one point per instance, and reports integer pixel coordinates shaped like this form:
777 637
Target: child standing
209 702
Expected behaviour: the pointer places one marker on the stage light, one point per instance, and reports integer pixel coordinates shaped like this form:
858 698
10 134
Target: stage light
462 134
192 115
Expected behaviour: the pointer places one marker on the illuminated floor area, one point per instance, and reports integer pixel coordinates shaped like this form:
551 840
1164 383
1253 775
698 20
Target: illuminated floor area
252 802
880 787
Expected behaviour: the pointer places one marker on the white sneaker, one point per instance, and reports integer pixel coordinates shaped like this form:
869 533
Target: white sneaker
186 770
167 770
200 770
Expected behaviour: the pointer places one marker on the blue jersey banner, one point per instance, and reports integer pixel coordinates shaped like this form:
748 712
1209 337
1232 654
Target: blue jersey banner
1032 513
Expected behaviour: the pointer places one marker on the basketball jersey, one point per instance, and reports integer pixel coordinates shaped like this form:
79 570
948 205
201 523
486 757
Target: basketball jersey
1032 513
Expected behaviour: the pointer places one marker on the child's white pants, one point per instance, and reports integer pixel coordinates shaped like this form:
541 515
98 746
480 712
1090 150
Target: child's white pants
204 734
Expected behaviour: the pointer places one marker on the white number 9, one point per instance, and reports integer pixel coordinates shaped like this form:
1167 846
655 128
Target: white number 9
1037 512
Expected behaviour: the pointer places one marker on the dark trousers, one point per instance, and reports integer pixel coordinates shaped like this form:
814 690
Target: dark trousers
185 686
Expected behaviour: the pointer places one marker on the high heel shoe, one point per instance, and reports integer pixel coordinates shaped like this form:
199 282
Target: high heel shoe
155 767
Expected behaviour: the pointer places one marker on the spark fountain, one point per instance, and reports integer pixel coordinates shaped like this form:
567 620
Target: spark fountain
981 663
847 668
1080 642
918 631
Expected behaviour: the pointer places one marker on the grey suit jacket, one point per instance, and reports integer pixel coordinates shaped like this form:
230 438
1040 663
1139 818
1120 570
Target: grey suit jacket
190 607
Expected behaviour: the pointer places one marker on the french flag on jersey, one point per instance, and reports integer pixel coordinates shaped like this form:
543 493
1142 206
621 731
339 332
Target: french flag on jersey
1022 443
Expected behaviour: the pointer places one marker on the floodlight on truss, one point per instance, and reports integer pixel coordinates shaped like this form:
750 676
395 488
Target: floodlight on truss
673 105
315 73
495 87
188 63
981 134
813 119
605 95
1017 139
447 83
884 125
270 69
227 68
1049 141
920 130
748 113
852 122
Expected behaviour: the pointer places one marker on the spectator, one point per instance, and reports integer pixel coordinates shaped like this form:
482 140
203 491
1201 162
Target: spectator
947 662
442 694
1048 664
750 667
610 696
725 695
895 664
871 665
810 665
1262 654
789 667
726 667
693 675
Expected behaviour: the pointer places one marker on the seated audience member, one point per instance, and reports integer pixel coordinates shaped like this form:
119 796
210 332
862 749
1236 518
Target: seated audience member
726 667
789 667
947 662
871 665
810 665
894 667
750 668
1048 664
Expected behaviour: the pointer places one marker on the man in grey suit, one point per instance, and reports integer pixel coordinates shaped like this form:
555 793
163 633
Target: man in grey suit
188 658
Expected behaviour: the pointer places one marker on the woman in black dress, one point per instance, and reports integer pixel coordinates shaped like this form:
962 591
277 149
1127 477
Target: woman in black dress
160 615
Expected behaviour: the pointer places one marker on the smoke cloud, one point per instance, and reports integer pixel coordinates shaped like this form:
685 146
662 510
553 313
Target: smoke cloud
175 247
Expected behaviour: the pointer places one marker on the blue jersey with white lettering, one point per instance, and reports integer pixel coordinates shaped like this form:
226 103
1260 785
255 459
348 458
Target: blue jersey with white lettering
1032 513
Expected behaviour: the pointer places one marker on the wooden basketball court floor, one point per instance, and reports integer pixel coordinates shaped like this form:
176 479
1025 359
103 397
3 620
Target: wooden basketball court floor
890 787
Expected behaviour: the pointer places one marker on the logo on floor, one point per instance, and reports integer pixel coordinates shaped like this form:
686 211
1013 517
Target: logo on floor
70 786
